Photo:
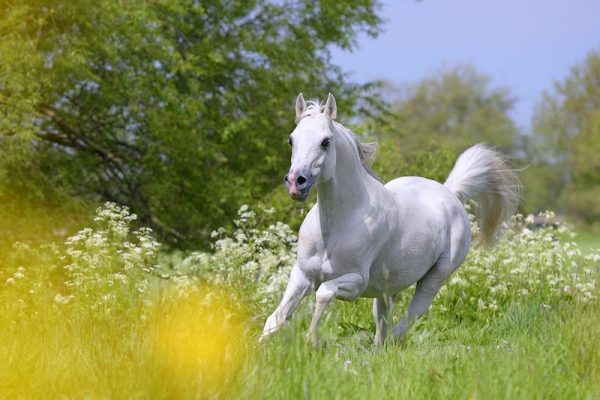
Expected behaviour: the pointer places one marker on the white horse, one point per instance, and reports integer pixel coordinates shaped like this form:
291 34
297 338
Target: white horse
363 238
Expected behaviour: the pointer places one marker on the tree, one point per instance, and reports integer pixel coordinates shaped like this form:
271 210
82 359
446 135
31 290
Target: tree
178 108
436 118
566 139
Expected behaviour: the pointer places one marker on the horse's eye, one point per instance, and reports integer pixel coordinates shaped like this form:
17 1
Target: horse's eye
290 140
325 143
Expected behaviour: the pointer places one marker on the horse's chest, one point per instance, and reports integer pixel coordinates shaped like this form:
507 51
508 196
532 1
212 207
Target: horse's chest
328 258
317 267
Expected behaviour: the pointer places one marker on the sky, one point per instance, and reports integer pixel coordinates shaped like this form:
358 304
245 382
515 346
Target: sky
524 45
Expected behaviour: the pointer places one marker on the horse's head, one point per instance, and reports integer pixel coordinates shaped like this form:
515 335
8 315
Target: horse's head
313 150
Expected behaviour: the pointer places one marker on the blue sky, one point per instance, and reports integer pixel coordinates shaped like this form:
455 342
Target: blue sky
522 45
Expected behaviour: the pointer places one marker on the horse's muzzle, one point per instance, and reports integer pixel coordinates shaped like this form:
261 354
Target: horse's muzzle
298 186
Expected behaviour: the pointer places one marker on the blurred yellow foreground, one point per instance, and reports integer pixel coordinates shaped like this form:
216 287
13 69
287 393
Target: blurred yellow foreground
186 345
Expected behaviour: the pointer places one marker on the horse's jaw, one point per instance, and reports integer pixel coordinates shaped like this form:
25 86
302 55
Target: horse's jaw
299 197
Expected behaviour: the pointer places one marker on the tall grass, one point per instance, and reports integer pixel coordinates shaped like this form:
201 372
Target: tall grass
107 315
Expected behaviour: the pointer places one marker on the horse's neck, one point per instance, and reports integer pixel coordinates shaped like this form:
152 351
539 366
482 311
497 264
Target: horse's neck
346 190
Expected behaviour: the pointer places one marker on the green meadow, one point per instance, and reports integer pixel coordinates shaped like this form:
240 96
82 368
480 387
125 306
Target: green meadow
146 234
107 314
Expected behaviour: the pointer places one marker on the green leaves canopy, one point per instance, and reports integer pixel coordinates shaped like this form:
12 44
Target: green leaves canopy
566 141
432 121
455 109
178 108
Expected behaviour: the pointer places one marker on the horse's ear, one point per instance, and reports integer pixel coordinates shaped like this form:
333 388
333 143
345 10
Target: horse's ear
300 107
330 107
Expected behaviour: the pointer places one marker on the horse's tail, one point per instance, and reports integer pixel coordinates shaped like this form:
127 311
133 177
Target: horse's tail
483 175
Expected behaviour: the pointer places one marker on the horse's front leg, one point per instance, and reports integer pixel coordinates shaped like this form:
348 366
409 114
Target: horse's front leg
345 287
297 288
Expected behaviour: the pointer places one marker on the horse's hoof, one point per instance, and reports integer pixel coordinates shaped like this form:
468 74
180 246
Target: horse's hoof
312 339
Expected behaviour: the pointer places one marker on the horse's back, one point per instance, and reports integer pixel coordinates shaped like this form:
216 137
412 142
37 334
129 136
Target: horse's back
430 199
414 183
404 181
424 194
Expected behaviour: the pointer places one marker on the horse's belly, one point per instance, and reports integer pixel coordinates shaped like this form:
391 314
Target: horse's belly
401 266
390 280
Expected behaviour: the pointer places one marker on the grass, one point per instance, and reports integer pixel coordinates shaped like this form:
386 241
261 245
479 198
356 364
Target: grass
90 319
530 352
587 239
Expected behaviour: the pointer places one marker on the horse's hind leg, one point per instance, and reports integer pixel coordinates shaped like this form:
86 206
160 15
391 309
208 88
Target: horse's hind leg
382 313
427 287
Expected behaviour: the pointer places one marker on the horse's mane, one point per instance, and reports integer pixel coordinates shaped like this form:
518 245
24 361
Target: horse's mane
366 150
312 107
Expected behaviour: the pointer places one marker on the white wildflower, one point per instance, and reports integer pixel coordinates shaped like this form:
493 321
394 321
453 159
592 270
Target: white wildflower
60 299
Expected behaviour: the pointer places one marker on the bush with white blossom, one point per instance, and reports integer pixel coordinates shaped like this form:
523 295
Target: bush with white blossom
526 264
111 263
111 266
255 260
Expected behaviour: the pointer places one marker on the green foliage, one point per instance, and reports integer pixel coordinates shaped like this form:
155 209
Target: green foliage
524 263
431 122
566 139
107 267
541 183
530 304
166 102
107 264
454 109
255 259
392 162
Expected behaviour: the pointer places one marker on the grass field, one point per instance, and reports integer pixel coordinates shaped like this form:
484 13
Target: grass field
587 239
530 352
96 317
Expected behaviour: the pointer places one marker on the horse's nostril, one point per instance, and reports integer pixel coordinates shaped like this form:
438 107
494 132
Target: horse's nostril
301 180
286 178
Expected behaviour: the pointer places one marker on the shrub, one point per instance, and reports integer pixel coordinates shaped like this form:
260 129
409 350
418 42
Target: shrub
111 264
112 267
254 260
527 263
